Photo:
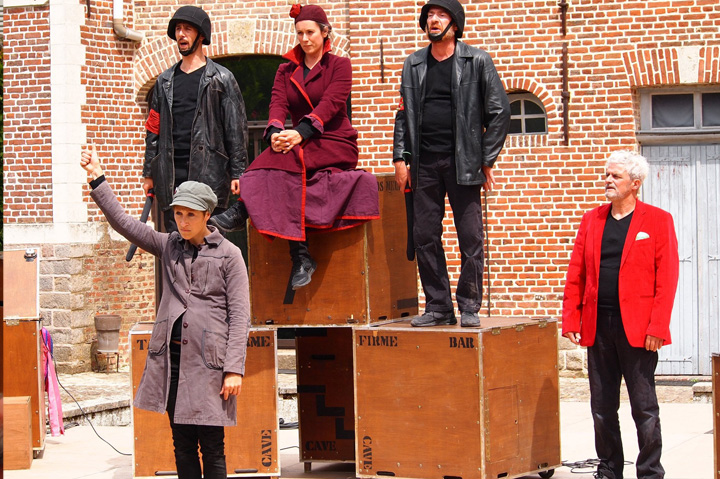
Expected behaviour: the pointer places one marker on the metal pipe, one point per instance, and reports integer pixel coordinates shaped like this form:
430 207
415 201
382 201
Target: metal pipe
119 24
563 17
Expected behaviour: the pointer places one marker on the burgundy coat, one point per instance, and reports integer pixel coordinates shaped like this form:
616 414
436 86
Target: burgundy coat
315 185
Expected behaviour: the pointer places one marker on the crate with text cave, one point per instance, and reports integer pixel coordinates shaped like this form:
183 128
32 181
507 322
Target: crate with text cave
443 402
363 274
251 447
22 351
325 395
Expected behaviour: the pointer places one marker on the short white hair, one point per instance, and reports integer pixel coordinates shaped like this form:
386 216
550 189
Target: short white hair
634 163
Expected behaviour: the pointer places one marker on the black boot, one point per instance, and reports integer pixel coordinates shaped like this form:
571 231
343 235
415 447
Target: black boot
232 219
303 264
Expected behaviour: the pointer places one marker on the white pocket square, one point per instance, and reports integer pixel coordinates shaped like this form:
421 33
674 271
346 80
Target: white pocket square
641 236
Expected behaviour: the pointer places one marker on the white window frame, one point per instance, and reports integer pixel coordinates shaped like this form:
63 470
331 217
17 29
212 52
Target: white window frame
523 97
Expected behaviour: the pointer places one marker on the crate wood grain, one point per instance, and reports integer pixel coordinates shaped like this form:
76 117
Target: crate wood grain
362 275
435 403
251 447
325 394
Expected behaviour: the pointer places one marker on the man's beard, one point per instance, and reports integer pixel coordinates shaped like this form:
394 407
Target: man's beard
192 48
439 36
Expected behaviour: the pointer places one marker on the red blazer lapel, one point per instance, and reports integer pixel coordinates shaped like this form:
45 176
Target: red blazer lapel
598 229
635 224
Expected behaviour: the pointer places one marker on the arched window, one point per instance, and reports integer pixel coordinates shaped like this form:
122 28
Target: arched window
528 115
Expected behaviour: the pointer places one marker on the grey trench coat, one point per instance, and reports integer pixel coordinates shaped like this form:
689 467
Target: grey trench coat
211 294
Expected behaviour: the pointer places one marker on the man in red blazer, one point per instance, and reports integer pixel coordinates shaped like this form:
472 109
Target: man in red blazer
618 299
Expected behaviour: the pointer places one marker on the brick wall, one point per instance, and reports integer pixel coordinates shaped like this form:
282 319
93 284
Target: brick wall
544 184
26 121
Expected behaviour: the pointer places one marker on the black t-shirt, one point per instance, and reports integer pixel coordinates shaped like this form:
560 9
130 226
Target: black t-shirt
185 94
613 241
437 128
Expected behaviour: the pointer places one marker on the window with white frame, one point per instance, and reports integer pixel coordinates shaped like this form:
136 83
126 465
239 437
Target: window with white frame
691 111
528 116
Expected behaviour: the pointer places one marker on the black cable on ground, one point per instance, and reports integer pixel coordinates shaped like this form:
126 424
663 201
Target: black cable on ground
288 425
581 467
85 416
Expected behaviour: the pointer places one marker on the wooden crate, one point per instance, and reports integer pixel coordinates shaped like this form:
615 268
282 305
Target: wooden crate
362 277
23 374
251 448
716 410
325 394
452 402
17 433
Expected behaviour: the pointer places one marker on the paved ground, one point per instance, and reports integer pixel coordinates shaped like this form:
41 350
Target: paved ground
687 435
687 454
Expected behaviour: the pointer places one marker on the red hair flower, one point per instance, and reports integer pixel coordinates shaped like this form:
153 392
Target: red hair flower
295 10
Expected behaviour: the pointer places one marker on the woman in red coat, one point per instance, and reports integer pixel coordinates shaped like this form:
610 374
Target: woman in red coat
307 178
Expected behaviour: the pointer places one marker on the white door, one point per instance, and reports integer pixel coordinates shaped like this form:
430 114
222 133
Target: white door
685 180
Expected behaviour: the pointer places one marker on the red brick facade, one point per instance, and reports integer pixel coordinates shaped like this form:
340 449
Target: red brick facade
544 184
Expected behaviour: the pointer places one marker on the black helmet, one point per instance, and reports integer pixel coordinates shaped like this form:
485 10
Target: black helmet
196 17
454 8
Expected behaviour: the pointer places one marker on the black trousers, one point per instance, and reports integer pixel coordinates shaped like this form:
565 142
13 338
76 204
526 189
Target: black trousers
298 249
186 437
609 360
437 178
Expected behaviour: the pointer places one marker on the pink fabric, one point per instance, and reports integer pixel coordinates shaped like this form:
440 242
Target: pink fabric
51 386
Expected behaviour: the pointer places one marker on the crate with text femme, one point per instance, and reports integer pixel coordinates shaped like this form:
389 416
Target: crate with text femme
363 275
251 447
451 402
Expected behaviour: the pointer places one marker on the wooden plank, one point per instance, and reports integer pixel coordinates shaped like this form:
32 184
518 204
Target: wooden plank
453 402
251 448
325 394
716 411
363 275
24 377
337 294
20 286
521 399
17 427
392 278
417 403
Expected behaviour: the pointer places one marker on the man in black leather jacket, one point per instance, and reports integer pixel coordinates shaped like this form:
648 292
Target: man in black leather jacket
197 128
452 123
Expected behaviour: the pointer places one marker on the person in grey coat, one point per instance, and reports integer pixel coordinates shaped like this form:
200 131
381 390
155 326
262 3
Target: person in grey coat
201 327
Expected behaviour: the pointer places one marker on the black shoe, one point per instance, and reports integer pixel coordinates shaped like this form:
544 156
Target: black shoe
303 268
434 318
232 219
469 320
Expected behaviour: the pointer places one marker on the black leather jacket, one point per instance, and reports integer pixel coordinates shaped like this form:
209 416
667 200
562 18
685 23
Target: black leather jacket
480 106
218 147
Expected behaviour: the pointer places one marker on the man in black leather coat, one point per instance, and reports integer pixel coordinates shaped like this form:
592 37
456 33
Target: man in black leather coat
452 123
197 128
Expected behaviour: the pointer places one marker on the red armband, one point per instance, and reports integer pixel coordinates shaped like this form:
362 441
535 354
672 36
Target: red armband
153 122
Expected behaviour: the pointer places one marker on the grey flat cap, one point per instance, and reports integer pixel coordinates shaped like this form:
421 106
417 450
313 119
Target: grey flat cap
196 196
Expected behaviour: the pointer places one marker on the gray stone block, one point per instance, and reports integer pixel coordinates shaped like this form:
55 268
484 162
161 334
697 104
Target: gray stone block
73 251
575 360
61 301
61 284
80 283
62 266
